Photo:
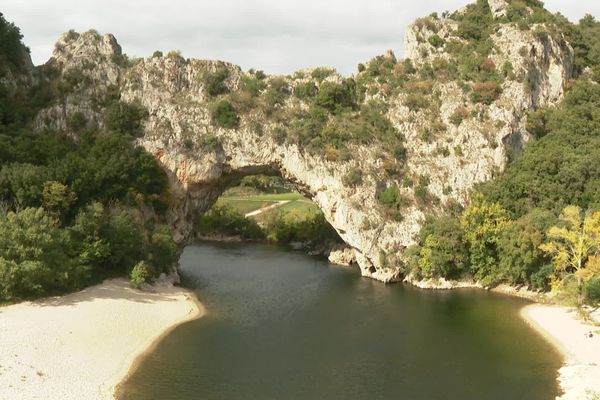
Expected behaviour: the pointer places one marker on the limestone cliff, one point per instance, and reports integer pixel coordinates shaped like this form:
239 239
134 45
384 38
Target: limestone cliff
451 144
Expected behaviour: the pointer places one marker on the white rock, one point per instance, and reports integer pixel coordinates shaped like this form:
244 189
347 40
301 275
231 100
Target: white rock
342 256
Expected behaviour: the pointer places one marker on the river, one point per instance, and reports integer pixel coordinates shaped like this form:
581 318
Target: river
284 325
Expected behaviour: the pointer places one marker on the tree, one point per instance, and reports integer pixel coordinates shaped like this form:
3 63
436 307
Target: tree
124 235
35 256
57 199
444 252
483 223
11 48
91 247
22 184
521 261
162 249
574 247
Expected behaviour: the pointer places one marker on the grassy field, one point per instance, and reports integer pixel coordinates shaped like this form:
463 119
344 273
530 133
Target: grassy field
297 209
246 200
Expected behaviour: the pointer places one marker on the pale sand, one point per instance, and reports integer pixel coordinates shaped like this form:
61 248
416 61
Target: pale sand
80 346
579 377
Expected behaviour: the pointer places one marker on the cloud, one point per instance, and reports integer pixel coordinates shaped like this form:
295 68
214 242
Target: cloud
278 36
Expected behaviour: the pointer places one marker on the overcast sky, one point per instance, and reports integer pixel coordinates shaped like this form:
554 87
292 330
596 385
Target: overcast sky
277 36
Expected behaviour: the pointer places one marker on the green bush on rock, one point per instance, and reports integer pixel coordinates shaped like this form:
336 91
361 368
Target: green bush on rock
140 274
224 114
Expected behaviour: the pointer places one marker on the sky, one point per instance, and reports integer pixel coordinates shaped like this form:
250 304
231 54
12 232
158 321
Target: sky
277 36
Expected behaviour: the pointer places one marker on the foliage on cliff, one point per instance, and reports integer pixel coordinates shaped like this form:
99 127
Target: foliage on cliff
73 211
500 237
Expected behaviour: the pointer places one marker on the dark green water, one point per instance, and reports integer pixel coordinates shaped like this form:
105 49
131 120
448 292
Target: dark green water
282 325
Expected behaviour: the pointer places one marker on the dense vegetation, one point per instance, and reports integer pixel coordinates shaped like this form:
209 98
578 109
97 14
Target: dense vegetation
522 227
75 206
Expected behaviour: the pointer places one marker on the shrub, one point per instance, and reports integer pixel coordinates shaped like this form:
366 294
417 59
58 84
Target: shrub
537 123
415 102
485 92
409 67
174 54
277 92
313 228
475 22
126 118
260 75
223 220
209 142
592 290
305 90
393 201
224 114
422 194
508 71
214 81
76 122
252 84
459 115
57 199
336 97
75 77
243 100
322 73
279 135
436 41
353 177
140 274
487 65
400 152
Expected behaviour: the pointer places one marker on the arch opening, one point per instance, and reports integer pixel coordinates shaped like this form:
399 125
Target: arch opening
258 204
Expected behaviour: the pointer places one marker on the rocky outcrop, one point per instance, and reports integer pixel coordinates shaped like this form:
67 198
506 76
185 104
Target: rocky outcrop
201 159
499 8
342 256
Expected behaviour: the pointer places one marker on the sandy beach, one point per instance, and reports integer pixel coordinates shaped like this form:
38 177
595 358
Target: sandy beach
80 346
579 377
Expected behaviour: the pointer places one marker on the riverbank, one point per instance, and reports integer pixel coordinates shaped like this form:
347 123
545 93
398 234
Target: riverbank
82 345
579 377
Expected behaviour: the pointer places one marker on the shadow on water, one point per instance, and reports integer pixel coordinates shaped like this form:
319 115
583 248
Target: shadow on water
282 325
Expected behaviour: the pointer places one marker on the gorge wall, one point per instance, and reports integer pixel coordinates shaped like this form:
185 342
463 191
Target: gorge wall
450 141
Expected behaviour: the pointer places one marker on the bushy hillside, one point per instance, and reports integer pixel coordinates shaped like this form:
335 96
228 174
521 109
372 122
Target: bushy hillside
73 209
505 234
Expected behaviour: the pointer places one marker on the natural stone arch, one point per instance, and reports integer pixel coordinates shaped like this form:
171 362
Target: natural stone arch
198 182
201 158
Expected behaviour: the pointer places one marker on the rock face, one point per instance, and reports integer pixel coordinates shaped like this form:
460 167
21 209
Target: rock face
342 256
179 126
498 7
